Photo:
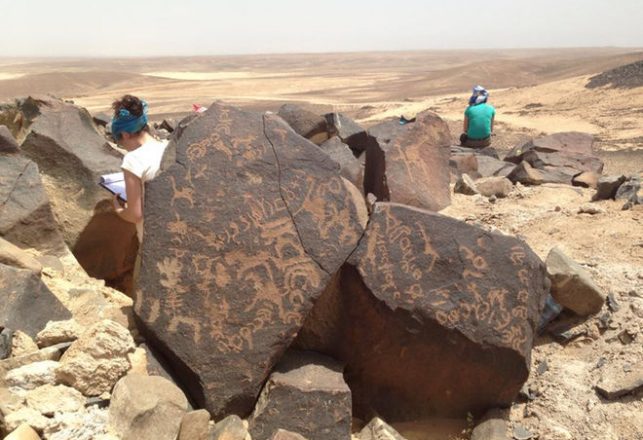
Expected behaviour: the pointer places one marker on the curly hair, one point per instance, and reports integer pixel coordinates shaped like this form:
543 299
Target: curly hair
134 105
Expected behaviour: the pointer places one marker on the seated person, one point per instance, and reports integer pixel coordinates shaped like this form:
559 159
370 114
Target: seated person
478 120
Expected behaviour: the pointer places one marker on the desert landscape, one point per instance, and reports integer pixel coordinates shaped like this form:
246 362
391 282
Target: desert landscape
536 92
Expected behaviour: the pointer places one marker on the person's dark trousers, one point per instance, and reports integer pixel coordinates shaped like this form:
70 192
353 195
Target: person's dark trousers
466 141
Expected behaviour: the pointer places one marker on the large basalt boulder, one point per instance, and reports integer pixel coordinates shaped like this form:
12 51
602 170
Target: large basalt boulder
431 316
71 155
409 163
26 218
305 123
242 233
349 131
305 394
26 304
351 167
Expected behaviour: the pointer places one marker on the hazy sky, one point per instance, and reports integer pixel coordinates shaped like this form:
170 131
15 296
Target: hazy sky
191 27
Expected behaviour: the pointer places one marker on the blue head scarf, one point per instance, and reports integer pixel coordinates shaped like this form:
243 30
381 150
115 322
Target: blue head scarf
125 122
478 96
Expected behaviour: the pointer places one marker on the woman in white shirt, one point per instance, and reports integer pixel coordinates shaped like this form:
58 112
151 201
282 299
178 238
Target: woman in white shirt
143 159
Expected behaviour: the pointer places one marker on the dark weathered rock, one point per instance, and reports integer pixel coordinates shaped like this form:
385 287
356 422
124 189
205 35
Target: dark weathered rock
71 154
577 162
26 304
305 394
494 186
7 142
26 218
586 179
607 187
630 190
491 429
490 166
572 286
378 429
528 175
409 163
349 131
107 248
305 123
242 232
465 185
6 335
566 142
351 168
431 315
169 124
101 119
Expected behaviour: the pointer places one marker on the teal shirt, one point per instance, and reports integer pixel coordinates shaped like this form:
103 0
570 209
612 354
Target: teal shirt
480 117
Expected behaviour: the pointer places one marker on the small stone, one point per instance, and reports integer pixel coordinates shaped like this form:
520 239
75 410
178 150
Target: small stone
195 425
230 428
492 199
48 399
32 376
56 332
522 433
146 408
465 185
6 336
28 416
494 186
282 434
96 360
590 209
378 429
626 337
542 368
22 344
612 303
82 425
23 432
52 353
607 187
612 388
138 360
491 429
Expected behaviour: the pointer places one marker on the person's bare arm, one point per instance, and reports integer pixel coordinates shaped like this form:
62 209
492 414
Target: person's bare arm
133 210
466 124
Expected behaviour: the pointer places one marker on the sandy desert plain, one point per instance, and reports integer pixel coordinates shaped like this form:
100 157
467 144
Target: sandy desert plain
534 91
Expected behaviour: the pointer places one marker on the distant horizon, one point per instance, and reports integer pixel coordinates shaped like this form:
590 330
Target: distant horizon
632 49
149 28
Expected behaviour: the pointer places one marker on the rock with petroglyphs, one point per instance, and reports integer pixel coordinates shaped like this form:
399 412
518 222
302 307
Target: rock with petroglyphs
409 163
431 316
243 229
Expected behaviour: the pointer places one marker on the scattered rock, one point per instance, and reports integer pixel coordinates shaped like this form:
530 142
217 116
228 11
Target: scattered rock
52 353
305 123
262 239
6 338
231 428
522 433
460 164
494 186
607 187
624 77
378 429
490 166
23 432
195 426
526 174
146 407
26 304
629 191
56 332
48 399
586 179
408 296
612 388
83 425
96 360
282 434
12 255
26 416
305 394
9 402
8 143
33 375
22 344
465 185
138 361
590 209
564 142
490 429
572 286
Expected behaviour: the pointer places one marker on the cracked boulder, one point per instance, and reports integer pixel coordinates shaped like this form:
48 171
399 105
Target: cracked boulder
351 167
26 304
26 218
71 155
305 123
431 316
409 163
243 229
